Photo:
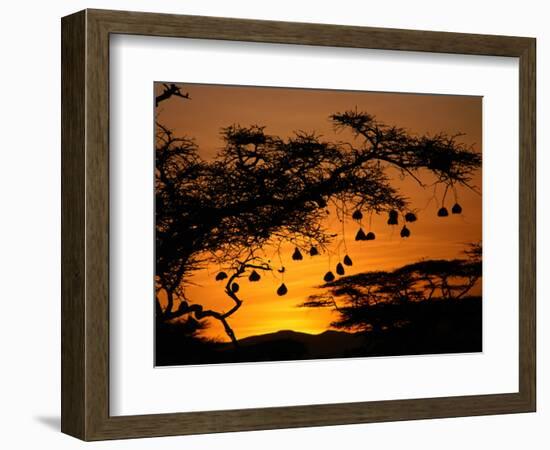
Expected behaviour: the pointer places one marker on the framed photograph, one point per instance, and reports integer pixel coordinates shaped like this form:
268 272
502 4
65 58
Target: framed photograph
272 225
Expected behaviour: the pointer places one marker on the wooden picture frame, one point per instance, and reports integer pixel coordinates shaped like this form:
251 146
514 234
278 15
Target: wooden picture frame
85 224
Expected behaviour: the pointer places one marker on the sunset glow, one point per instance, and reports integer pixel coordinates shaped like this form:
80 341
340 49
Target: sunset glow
284 111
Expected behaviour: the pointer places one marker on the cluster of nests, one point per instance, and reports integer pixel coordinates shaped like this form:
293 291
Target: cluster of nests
456 209
393 219
296 256
329 276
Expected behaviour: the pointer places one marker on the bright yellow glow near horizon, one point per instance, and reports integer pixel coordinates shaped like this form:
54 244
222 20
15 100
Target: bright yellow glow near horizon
283 111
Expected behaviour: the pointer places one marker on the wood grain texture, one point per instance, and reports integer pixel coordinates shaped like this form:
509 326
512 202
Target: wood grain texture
73 112
527 223
85 224
97 226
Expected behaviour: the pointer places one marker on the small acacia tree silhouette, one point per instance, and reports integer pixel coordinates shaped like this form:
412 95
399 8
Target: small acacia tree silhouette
262 190
373 300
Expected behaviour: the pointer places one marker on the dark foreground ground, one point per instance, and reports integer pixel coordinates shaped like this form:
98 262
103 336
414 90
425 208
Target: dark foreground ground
433 327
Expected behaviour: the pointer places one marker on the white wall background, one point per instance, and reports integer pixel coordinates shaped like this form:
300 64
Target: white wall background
30 221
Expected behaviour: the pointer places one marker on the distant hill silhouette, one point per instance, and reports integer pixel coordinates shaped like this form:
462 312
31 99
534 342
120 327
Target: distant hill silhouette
288 344
453 329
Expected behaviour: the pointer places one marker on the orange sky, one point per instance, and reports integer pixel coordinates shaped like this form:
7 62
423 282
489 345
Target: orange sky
283 111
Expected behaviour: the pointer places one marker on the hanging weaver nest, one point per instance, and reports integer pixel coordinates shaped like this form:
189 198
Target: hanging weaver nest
360 236
254 276
456 209
329 276
221 276
393 217
282 290
297 255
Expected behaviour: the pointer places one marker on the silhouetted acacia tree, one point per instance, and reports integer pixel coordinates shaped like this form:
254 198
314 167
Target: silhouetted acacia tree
378 299
169 91
262 190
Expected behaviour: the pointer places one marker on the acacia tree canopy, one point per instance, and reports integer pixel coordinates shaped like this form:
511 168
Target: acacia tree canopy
261 190
368 300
